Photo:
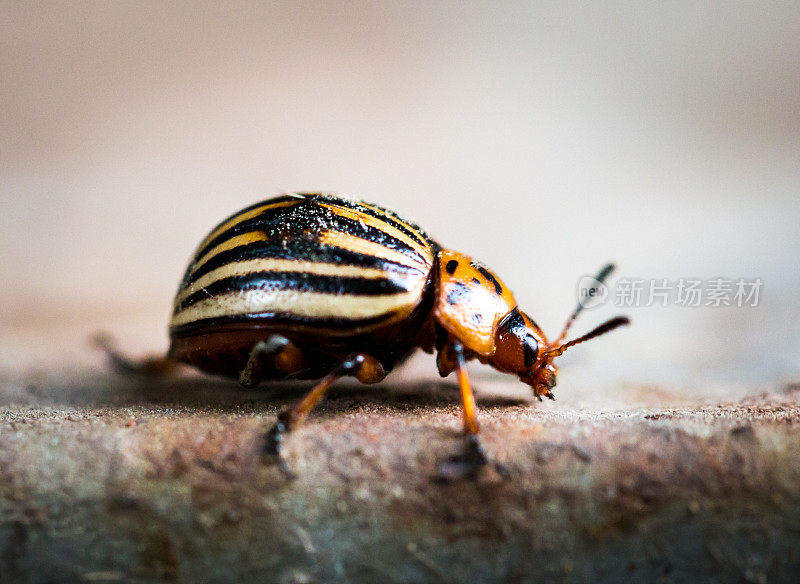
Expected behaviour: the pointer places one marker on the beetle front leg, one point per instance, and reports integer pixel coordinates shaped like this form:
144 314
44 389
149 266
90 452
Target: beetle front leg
469 462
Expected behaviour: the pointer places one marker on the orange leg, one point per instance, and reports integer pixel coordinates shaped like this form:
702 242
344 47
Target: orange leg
467 398
296 415
469 462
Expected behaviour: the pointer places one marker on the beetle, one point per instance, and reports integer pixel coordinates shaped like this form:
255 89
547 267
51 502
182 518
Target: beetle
316 286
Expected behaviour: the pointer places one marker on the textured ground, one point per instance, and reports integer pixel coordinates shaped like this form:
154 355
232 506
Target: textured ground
105 479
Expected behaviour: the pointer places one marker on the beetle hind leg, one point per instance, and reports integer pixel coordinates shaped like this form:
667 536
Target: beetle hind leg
145 367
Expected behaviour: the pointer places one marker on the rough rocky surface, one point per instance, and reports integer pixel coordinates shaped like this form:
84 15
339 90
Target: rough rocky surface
107 479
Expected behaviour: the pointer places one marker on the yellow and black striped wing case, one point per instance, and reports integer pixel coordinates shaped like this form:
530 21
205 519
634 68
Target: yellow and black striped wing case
316 261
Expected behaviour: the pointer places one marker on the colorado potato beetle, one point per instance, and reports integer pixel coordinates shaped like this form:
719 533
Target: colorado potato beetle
316 286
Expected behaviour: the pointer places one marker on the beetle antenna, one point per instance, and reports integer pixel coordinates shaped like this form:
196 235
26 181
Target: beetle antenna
604 328
599 279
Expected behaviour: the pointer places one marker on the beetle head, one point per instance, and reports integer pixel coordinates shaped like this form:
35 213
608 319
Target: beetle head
522 349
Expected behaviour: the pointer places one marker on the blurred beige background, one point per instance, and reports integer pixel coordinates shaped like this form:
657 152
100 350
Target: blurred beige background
542 138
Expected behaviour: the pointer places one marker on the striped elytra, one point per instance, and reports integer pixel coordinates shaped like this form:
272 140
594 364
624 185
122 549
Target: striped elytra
310 258
324 271
294 286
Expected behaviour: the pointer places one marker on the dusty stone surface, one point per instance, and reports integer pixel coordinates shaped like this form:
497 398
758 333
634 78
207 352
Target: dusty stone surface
107 479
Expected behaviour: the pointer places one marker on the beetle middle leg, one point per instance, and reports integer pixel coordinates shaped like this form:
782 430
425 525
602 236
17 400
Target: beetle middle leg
363 367
262 352
468 463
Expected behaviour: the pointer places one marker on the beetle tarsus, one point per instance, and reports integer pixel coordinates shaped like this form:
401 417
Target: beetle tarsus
294 416
274 439
273 443
501 469
464 465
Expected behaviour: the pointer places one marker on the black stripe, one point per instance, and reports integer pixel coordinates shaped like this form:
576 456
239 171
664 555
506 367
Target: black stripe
269 219
381 213
298 281
459 293
299 249
310 219
274 200
369 233
490 276
217 324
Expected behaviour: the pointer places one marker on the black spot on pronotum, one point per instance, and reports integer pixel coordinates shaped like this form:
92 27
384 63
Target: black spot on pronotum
451 266
459 293
490 276
476 281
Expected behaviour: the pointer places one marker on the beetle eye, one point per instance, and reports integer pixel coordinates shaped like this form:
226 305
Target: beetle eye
530 348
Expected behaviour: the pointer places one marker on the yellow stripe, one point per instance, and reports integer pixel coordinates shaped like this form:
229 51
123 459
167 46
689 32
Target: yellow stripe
310 304
353 243
375 250
280 265
239 240
382 225
235 220
389 215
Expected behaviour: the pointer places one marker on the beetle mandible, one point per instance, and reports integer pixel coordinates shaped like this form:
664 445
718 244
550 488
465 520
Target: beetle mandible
317 286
